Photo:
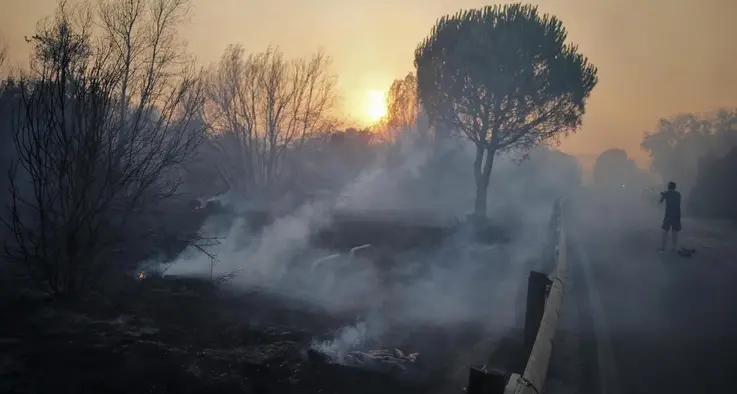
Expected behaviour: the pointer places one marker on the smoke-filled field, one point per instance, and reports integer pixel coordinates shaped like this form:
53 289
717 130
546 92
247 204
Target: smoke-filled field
414 297
283 315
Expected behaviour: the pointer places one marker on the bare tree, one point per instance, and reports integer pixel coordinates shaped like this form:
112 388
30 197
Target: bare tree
402 107
261 108
143 37
504 78
85 181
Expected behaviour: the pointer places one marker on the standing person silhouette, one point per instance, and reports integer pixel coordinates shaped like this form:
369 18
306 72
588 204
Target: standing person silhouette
672 218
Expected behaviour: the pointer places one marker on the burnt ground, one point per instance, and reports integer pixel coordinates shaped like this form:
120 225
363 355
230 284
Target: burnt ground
167 337
186 336
182 336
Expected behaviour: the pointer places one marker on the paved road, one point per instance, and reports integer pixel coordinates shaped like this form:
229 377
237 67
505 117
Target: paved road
640 322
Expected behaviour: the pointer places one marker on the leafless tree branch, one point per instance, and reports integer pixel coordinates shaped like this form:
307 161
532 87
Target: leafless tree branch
260 108
90 169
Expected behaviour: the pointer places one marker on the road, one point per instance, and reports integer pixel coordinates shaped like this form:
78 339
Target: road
635 321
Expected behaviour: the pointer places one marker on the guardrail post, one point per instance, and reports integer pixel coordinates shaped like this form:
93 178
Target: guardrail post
537 291
486 381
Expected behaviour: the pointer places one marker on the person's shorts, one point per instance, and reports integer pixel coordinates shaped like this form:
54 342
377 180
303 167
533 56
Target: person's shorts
671 223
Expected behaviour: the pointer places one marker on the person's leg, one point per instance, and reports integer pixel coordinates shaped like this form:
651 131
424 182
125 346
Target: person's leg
663 240
676 230
674 241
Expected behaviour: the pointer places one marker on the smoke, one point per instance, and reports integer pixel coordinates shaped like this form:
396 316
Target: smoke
459 281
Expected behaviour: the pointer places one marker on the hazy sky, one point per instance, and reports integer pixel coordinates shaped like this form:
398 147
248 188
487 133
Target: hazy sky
656 58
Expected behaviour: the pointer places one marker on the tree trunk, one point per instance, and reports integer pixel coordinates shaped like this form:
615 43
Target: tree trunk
483 173
479 206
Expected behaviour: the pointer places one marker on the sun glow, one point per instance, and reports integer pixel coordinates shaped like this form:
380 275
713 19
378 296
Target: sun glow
375 105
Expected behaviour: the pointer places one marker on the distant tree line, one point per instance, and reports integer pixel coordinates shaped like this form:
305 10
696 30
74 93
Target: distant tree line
615 171
697 152
715 193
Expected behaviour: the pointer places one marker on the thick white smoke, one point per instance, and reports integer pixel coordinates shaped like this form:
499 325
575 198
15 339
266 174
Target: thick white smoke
455 283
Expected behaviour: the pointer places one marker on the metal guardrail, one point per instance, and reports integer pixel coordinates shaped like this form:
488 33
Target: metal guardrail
544 299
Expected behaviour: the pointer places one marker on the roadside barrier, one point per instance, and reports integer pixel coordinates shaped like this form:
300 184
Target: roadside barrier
544 299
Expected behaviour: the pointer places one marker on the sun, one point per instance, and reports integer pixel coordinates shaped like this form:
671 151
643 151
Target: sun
375 105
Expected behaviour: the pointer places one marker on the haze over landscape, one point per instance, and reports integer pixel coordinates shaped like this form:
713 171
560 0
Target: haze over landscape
289 197
656 59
